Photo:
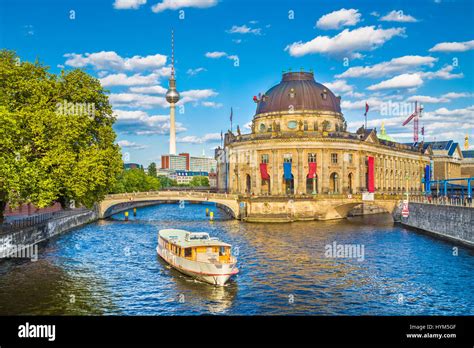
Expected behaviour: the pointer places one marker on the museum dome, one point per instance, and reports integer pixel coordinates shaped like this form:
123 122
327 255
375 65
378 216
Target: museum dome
300 90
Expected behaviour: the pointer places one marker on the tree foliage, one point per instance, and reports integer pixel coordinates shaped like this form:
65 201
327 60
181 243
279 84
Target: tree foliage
152 169
57 140
199 181
135 180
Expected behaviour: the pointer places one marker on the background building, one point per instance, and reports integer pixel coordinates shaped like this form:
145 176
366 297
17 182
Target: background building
185 177
204 164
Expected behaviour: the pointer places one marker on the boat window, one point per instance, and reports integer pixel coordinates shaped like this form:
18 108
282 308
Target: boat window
187 252
221 251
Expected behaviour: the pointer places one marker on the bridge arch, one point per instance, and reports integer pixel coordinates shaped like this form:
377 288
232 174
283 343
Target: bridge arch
114 205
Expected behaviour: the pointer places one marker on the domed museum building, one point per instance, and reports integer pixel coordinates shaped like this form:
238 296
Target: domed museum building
299 144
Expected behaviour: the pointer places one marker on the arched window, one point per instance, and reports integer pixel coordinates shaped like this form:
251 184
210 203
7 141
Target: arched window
262 127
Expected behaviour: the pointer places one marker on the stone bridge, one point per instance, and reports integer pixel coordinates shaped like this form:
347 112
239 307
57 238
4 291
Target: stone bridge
262 208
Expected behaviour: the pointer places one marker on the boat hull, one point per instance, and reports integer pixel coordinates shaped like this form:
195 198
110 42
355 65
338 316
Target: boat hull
215 274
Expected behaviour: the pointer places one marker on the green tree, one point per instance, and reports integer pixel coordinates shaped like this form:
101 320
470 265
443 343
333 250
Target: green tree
135 180
199 181
166 182
57 139
152 169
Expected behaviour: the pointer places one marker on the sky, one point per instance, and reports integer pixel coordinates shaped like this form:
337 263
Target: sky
386 53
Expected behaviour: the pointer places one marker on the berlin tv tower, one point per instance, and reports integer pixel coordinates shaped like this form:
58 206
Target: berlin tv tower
172 97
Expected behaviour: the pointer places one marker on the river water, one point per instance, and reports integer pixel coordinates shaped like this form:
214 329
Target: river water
111 267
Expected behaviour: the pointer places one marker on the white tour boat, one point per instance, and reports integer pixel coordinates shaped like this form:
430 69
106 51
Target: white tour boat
198 255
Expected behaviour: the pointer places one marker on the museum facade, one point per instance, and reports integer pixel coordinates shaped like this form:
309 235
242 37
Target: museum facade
299 144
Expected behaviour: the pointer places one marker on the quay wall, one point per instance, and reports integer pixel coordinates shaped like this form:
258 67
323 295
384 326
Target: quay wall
455 223
31 235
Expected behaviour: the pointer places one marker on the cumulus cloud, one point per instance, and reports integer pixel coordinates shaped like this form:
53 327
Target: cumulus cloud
193 72
128 4
110 60
339 87
244 29
348 42
124 80
398 16
177 4
339 19
219 54
136 100
444 74
453 46
140 123
193 139
400 81
149 89
131 145
395 65
211 104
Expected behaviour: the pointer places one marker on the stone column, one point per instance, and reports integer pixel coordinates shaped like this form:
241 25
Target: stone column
274 176
299 186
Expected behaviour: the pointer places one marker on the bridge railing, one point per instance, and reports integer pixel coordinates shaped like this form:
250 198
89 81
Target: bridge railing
450 201
171 193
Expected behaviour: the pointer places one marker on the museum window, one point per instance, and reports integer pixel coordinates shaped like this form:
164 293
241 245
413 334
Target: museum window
305 125
262 127
350 158
315 125
334 158
287 158
265 158
311 157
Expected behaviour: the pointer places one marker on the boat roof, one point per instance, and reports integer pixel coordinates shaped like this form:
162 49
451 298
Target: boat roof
186 239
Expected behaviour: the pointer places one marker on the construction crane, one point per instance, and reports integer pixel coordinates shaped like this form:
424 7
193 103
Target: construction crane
415 117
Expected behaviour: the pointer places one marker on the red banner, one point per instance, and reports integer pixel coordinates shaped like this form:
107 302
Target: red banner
370 176
263 171
312 170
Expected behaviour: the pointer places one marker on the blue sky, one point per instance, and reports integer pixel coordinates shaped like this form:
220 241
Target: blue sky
387 53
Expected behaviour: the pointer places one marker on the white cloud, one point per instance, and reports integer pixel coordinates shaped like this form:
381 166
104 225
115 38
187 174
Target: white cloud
215 54
348 42
244 29
211 104
339 87
124 80
339 19
398 16
193 139
453 46
219 54
375 14
444 74
193 72
110 60
140 123
128 4
425 99
177 4
455 95
131 145
400 81
395 65
149 89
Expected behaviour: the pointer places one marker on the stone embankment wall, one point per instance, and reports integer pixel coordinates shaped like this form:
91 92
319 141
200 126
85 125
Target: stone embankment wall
452 222
31 235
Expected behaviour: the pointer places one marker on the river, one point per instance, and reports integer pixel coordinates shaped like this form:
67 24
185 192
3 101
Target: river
111 267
